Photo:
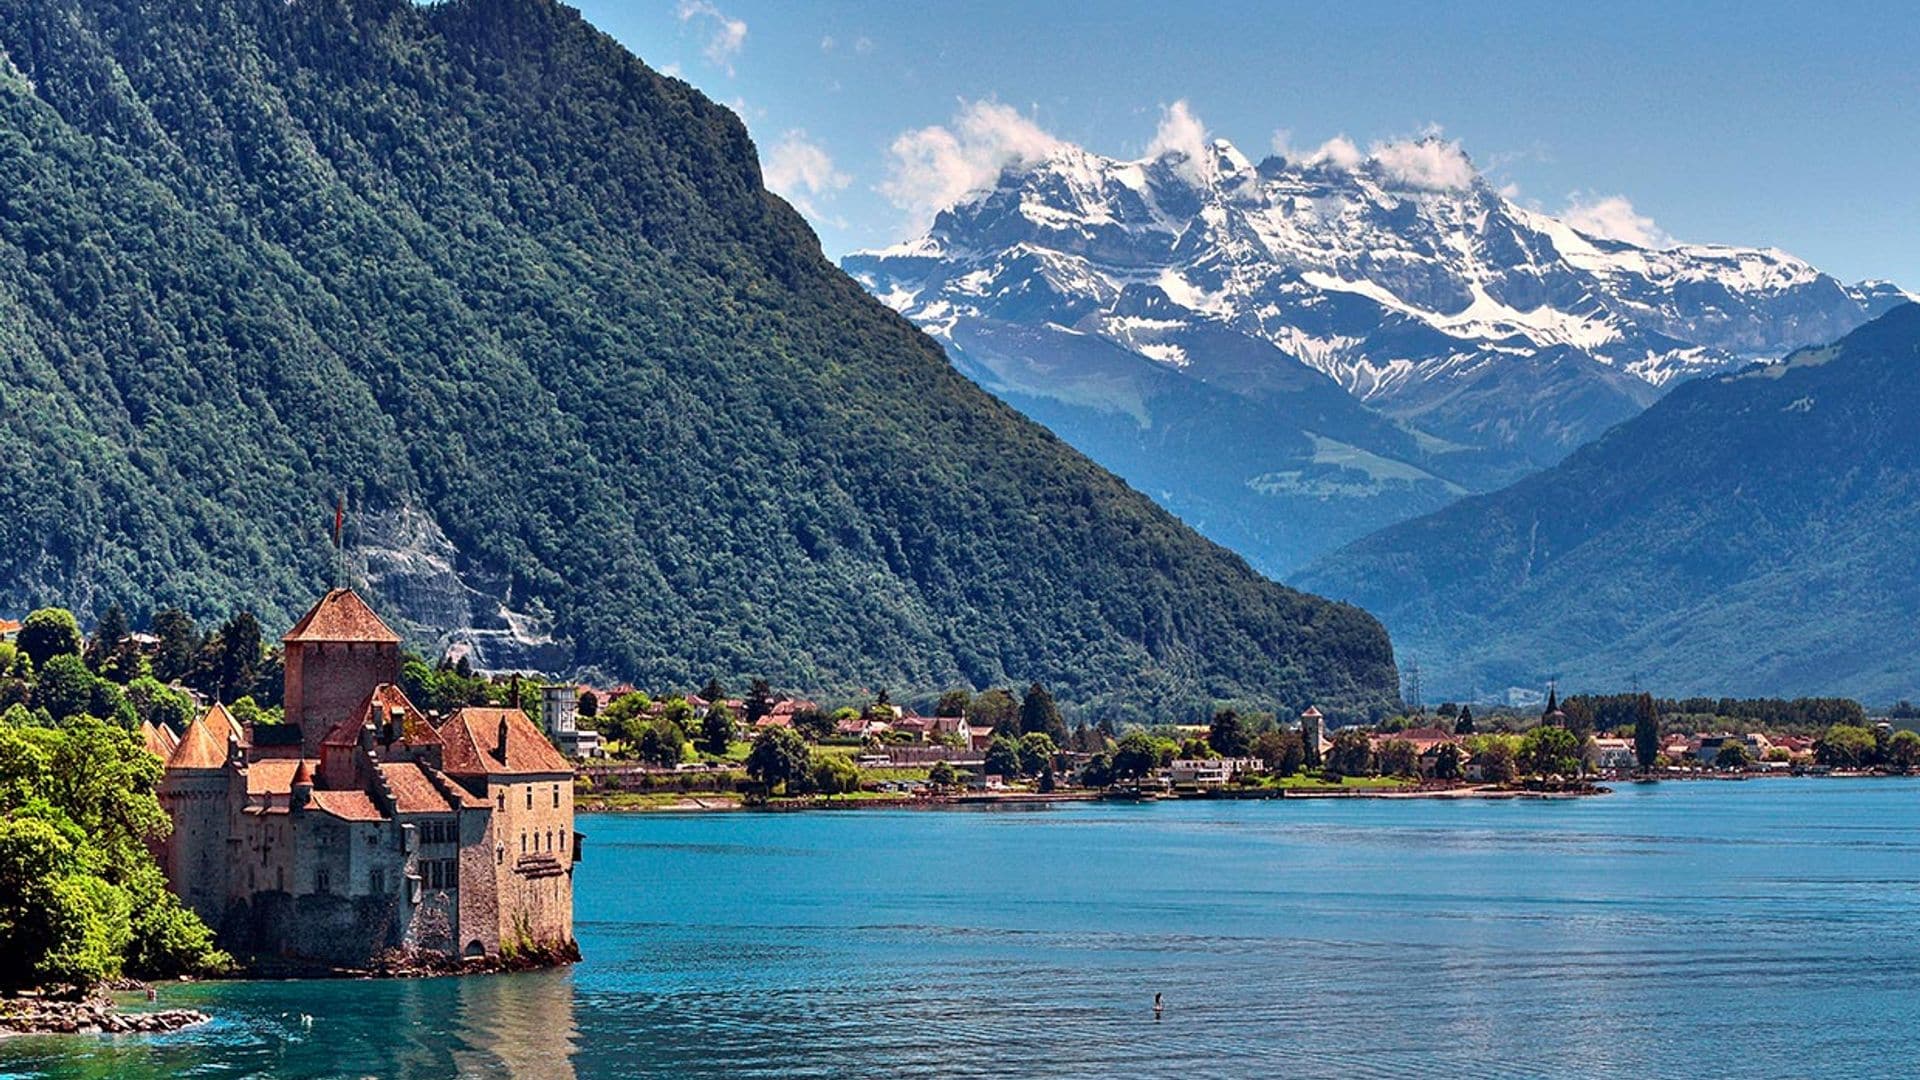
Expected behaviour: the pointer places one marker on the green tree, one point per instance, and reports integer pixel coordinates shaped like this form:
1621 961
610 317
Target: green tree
953 703
779 756
1398 757
1646 731
109 632
814 723
1733 755
179 643
1846 746
1464 725
1352 753
47 633
941 775
1135 757
1903 750
1003 757
662 743
65 688
714 691
1098 771
1497 759
716 730
1549 749
1449 762
1282 751
1036 754
759 701
1228 734
996 709
158 704
589 706
833 774
1039 714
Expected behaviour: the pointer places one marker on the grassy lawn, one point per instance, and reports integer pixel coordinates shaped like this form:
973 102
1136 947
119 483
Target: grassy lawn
1313 782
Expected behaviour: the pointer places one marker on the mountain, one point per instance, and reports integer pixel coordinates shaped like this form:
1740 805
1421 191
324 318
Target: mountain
599 398
1486 339
1750 534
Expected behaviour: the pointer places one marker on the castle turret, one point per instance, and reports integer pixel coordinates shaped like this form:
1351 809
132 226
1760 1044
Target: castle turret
337 654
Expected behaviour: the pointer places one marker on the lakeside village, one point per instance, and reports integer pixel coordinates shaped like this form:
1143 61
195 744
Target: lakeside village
181 803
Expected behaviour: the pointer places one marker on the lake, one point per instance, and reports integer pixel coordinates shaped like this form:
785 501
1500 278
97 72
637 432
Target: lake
1764 928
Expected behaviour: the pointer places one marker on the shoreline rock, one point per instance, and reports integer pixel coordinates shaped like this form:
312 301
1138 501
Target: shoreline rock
95 1016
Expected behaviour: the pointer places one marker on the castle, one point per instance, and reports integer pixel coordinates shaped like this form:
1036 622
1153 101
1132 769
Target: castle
358 828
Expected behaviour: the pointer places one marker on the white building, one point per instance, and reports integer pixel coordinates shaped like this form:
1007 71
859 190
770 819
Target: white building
560 715
1208 772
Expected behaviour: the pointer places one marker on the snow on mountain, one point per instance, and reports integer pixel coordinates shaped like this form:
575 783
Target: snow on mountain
1402 275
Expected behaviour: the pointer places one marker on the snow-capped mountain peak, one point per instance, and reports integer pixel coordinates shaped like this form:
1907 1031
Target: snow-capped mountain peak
1402 274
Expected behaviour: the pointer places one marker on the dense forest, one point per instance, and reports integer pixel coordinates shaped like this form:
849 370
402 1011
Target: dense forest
530 303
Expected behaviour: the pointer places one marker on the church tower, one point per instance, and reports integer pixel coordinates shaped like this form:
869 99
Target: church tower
336 655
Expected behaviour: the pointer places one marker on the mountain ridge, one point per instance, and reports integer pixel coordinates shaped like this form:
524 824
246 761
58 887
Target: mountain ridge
1743 536
600 398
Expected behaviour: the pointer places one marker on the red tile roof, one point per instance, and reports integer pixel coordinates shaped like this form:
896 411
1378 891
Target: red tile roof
416 730
222 723
341 616
159 738
204 746
472 738
11 626
413 791
347 805
274 776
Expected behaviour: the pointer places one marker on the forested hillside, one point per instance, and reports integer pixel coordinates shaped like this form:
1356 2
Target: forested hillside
1750 534
597 396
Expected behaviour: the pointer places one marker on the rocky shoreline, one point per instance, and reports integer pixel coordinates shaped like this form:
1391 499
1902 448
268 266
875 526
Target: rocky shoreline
93 1016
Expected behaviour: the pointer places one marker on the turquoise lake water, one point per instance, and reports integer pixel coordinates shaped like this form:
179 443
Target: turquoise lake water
1766 928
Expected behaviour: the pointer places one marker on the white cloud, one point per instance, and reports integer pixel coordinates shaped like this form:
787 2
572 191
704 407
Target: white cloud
935 167
726 35
1338 152
799 169
1181 132
827 43
863 45
1429 162
1612 217
1282 144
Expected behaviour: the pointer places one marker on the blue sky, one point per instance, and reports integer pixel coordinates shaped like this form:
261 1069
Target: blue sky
1790 125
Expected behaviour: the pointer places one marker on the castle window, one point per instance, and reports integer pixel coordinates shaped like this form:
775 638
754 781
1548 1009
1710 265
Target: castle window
376 881
523 843
563 839
500 798
322 880
529 796
556 796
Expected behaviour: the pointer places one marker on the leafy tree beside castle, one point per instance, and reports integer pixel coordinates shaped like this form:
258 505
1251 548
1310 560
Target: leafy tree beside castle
81 899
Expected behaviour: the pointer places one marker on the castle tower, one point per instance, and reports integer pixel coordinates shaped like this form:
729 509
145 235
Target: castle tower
337 654
197 792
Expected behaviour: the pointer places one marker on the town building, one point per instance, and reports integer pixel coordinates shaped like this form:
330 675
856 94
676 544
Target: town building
560 716
1208 772
1615 756
1312 739
358 830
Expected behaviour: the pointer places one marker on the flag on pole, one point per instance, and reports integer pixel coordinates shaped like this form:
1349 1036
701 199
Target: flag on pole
339 518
